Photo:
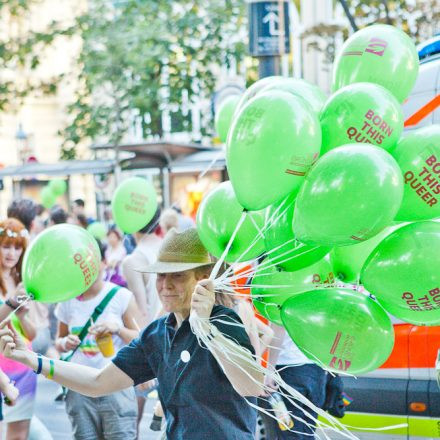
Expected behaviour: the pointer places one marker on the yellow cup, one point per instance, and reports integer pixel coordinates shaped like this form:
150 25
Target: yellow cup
105 344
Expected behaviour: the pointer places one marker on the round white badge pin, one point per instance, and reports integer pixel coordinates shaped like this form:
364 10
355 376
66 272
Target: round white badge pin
185 356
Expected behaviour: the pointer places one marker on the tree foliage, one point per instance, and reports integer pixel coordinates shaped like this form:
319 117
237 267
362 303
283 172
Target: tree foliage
140 57
418 18
21 53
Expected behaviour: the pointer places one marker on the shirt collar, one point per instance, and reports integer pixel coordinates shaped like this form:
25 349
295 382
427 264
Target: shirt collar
171 321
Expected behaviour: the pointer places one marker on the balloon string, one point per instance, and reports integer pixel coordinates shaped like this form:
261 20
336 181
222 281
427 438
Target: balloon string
240 357
219 263
268 264
22 300
208 168
260 233
268 224
276 215
243 357
230 270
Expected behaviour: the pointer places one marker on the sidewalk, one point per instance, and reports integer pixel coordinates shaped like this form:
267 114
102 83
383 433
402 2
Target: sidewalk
54 417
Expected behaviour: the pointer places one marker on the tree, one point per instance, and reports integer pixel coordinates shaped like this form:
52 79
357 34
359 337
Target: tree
140 57
418 18
21 53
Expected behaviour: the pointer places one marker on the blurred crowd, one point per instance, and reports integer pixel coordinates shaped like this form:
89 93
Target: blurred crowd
54 329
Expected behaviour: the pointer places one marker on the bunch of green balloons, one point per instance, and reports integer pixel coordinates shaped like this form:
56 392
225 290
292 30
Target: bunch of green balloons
325 186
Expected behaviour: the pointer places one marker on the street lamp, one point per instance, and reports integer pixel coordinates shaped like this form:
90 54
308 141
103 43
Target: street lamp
22 143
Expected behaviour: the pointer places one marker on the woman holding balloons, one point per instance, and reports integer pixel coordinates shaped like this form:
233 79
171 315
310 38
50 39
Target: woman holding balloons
13 243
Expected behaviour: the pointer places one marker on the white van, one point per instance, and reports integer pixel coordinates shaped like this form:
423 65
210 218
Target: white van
422 108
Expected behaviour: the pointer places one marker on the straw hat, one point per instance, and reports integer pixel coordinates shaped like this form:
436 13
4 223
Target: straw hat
179 251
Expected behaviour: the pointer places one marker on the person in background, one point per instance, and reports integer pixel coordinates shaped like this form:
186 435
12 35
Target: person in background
114 255
57 215
108 217
168 220
185 222
10 394
38 225
81 220
79 208
300 373
28 213
24 210
143 285
112 417
115 252
13 243
129 243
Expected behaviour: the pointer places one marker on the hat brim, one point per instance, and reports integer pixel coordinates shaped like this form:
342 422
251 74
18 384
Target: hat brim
164 267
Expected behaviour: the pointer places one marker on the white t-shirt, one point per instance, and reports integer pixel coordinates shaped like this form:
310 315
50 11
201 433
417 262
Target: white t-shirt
144 285
290 354
75 313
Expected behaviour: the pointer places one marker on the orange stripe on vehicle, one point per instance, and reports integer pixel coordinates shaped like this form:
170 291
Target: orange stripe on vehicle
414 347
423 112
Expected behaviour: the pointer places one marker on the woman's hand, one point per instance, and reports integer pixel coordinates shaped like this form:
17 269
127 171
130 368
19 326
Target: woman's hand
11 394
105 328
12 345
70 342
20 291
203 299
22 312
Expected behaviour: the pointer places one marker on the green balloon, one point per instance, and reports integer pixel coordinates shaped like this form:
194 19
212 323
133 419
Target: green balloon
272 144
312 94
217 219
256 88
280 240
272 286
418 155
61 263
350 195
224 116
58 186
380 54
48 198
98 230
347 261
364 113
345 330
403 273
134 204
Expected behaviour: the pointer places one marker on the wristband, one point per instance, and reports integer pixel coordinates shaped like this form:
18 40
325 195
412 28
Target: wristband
8 302
40 364
51 369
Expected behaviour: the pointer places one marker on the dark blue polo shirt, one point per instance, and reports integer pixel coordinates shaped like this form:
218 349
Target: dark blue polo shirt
198 399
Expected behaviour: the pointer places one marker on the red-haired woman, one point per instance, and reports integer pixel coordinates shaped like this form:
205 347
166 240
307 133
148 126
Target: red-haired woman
13 242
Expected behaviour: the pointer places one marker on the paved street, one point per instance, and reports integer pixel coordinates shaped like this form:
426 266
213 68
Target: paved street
53 415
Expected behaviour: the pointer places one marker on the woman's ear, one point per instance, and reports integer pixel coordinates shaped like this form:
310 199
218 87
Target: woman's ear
202 273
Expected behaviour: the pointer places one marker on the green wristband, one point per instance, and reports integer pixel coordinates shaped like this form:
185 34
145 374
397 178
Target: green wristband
51 369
